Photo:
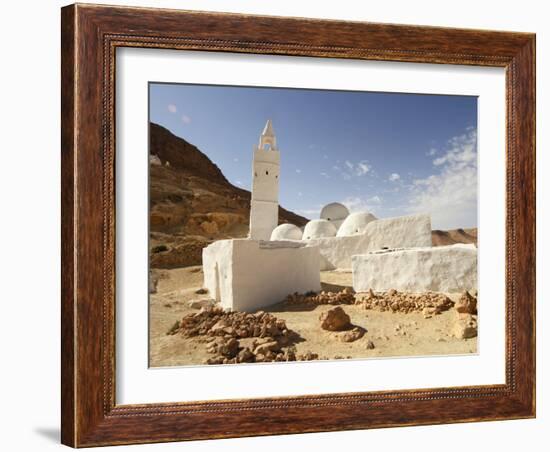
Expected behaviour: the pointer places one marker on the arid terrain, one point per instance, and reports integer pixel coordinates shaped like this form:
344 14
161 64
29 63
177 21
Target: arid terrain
192 204
385 333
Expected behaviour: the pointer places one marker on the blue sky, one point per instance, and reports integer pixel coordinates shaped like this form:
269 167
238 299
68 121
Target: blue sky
392 154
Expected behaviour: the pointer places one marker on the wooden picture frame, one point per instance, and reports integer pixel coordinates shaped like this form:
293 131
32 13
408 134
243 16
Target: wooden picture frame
90 36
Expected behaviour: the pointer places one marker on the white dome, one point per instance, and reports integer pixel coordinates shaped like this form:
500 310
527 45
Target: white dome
334 212
286 231
316 229
355 223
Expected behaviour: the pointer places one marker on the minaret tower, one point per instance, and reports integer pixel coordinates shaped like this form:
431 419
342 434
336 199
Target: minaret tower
264 203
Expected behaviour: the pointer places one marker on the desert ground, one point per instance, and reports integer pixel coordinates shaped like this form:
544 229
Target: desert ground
383 333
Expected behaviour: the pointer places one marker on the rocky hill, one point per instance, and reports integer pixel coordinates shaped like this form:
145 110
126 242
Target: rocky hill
192 203
440 238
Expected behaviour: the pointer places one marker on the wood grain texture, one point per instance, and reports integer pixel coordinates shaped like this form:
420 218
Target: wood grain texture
90 36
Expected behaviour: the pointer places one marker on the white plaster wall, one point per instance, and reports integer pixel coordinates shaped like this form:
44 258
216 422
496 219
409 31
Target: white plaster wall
265 181
264 216
218 282
265 273
399 232
441 269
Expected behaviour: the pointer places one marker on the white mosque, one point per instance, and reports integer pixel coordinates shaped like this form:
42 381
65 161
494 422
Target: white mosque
276 260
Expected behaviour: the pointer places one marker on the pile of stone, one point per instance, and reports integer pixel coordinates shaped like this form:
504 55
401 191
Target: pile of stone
429 303
228 335
214 321
263 350
345 296
465 326
337 320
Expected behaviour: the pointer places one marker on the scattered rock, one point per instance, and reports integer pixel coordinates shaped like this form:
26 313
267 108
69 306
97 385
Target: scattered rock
174 329
351 335
467 304
335 319
308 356
230 348
266 347
201 291
370 345
201 303
215 360
465 327
159 249
246 356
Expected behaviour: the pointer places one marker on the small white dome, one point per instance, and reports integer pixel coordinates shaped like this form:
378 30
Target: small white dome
334 212
316 229
286 231
355 223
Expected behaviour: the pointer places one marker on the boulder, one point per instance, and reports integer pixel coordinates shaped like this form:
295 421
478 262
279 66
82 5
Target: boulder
230 348
335 319
467 304
266 347
465 327
352 335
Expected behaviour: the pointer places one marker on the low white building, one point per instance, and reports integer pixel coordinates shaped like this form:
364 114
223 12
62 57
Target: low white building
399 232
246 275
278 260
450 268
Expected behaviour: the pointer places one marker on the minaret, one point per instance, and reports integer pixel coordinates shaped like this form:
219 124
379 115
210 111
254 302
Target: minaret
264 203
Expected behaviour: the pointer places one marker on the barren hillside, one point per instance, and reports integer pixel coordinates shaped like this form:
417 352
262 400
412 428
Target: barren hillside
192 203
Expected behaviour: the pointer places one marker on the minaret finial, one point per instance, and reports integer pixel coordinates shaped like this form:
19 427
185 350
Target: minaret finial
267 138
268 129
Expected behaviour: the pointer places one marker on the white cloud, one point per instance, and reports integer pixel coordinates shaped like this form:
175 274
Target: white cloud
362 168
394 177
352 169
359 204
450 194
172 108
298 171
374 200
324 175
186 119
431 152
311 213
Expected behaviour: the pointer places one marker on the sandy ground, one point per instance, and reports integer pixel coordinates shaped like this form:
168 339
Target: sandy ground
393 334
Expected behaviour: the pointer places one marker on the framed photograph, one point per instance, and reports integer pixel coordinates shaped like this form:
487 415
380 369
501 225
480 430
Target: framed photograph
283 225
